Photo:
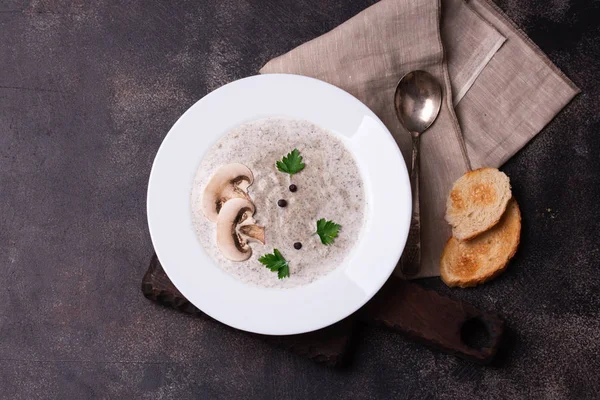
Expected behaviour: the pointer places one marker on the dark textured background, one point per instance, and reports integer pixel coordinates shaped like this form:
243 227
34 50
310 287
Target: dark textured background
88 89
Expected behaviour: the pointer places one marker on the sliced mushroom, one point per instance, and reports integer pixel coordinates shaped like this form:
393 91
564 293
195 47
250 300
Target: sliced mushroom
230 241
229 182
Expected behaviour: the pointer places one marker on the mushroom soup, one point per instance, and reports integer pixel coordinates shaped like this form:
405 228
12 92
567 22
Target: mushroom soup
259 193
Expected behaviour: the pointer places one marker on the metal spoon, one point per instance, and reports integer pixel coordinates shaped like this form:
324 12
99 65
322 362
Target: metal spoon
417 101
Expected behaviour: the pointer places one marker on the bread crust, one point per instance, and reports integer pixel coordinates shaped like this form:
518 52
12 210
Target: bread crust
473 262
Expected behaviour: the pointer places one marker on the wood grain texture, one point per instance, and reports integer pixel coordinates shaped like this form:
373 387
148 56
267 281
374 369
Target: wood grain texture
427 317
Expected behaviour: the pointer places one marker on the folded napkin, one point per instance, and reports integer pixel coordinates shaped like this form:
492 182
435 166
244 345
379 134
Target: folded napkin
500 90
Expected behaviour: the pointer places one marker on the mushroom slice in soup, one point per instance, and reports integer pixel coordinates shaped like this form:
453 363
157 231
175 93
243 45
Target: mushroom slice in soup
234 226
229 182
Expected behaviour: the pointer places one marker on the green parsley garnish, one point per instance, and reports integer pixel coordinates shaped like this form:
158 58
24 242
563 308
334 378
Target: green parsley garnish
292 163
327 231
276 263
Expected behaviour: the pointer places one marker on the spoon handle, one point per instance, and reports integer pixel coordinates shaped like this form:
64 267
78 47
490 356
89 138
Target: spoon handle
411 258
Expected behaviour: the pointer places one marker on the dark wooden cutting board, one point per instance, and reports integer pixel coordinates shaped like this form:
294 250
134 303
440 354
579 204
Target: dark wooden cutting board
407 308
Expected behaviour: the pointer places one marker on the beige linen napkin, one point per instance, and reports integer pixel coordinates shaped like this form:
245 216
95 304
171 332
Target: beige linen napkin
498 87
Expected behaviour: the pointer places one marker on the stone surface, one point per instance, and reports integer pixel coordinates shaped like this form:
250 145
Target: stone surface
87 92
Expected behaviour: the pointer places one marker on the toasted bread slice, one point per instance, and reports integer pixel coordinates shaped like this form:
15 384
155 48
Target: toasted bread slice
477 202
471 262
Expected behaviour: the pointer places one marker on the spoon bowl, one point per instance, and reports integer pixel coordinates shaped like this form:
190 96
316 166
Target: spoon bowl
417 100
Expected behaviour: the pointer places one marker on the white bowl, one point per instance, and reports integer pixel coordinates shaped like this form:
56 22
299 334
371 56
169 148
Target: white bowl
279 311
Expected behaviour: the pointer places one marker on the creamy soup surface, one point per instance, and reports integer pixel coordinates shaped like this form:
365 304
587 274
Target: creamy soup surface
329 186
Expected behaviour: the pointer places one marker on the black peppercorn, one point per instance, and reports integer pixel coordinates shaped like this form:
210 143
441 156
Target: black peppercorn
282 203
297 245
293 188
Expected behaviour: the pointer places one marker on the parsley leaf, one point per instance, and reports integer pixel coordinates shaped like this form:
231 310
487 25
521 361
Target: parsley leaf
327 231
276 263
292 163
284 271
